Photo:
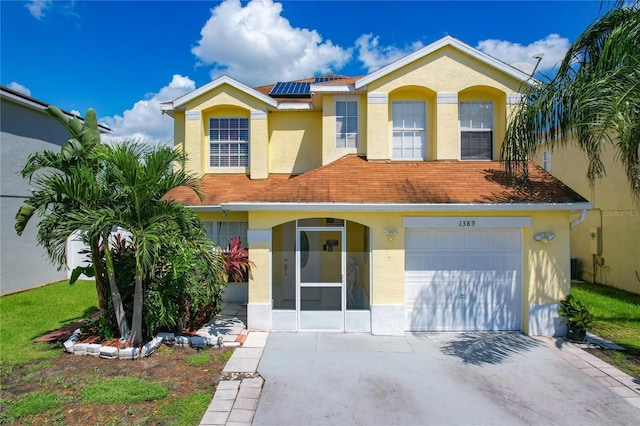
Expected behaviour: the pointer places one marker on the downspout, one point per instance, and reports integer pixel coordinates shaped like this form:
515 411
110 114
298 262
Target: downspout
579 220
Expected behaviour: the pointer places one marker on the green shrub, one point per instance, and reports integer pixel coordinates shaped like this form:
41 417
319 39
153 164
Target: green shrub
575 313
185 291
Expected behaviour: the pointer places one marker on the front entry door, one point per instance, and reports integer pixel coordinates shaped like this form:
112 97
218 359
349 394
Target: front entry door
320 263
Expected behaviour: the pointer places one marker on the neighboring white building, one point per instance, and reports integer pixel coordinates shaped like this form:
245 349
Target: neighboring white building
24 128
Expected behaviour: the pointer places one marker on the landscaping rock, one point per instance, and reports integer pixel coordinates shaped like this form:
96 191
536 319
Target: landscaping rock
129 353
168 339
198 342
152 346
80 349
68 344
93 349
182 341
108 352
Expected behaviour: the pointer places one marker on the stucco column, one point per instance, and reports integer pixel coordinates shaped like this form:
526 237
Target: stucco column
259 305
447 127
378 144
194 142
388 281
548 269
258 150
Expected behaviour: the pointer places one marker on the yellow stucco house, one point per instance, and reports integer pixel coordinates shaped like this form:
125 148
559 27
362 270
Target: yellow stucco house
606 245
376 203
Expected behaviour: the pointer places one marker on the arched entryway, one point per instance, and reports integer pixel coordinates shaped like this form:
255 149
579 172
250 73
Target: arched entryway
321 276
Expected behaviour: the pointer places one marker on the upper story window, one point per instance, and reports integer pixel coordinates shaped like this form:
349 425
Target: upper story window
409 130
476 130
346 124
228 142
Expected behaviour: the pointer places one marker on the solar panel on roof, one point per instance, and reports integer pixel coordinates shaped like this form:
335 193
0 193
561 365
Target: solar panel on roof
324 79
291 89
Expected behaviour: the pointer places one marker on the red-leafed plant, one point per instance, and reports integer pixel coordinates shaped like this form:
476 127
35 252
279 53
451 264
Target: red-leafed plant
236 261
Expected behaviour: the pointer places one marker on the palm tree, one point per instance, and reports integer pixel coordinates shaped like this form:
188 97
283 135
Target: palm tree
139 177
92 188
56 192
594 100
66 183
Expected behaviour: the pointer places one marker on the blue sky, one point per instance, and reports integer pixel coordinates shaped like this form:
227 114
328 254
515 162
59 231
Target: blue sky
124 57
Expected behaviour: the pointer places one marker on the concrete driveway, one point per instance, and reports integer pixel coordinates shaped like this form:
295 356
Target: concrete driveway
428 379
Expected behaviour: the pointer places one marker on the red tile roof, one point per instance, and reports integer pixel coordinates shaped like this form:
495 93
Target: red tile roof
225 188
353 179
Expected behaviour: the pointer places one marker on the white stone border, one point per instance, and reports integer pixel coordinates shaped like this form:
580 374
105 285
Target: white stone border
111 352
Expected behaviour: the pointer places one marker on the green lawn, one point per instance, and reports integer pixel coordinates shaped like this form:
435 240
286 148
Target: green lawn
28 315
616 318
40 384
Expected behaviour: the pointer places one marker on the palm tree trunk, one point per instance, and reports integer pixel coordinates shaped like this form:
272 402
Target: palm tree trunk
136 322
101 288
118 307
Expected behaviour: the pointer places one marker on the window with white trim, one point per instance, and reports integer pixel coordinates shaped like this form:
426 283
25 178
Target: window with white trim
409 130
228 142
222 233
546 160
476 130
346 124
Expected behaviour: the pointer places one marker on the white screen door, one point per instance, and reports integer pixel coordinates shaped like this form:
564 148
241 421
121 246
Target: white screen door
320 263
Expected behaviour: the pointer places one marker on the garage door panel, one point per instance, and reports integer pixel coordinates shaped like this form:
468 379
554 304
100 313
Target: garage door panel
420 240
421 287
471 319
431 261
477 240
479 286
479 262
476 287
507 239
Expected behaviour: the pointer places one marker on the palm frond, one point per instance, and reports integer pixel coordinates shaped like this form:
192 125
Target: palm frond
594 99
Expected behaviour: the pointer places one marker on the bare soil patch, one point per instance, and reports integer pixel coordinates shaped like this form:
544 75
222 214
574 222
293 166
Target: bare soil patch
68 374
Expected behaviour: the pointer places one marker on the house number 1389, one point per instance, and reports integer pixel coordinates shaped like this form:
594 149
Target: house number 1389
467 223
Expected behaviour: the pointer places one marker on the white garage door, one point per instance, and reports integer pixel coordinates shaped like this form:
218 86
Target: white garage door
463 279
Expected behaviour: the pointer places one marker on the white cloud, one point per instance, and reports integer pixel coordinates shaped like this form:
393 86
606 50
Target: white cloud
144 121
552 46
373 56
19 88
38 7
255 44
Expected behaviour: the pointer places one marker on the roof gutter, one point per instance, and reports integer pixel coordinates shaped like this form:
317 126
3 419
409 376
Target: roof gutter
396 207
209 208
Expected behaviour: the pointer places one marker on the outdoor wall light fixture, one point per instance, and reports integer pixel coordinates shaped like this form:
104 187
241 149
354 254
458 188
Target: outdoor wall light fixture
544 237
390 233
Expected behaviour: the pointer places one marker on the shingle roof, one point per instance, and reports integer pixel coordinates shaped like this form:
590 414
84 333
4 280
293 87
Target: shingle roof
353 179
225 188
